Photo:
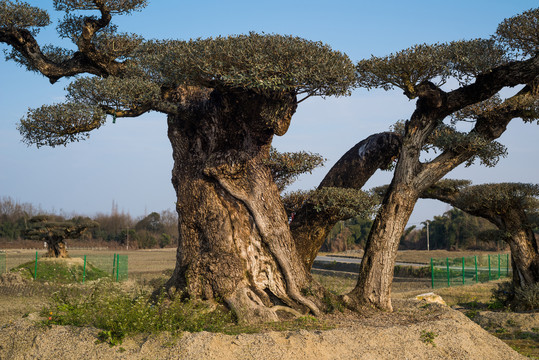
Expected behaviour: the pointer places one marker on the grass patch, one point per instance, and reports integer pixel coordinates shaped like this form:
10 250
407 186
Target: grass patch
336 284
118 313
62 271
428 337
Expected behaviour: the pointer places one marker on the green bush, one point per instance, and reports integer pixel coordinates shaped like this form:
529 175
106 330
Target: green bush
505 295
119 313
527 298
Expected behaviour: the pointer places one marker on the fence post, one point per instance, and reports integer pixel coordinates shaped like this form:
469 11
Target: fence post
499 256
489 268
476 274
431 273
448 274
113 265
506 263
117 266
84 270
35 268
463 278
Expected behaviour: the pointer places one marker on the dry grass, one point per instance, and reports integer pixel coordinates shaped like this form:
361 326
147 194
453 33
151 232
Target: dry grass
424 256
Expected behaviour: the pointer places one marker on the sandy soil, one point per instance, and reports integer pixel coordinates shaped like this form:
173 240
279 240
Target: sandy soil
400 335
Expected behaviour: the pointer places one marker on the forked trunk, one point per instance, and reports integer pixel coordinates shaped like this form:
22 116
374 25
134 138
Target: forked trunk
234 241
376 270
310 226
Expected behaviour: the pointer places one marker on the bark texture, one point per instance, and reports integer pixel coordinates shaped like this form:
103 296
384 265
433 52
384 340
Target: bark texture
56 248
234 239
412 176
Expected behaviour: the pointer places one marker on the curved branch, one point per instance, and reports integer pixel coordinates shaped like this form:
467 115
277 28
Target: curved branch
86 60
310 226
490 83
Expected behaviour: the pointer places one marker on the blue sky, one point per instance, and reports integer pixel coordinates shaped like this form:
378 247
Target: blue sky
130 162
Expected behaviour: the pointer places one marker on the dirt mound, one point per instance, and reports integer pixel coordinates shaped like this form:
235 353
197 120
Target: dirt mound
64 261
413 331
11 278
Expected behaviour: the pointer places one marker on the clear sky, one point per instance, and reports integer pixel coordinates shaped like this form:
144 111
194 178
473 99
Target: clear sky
130 162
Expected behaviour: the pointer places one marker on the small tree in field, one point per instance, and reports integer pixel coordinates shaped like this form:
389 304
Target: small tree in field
55 231
506 205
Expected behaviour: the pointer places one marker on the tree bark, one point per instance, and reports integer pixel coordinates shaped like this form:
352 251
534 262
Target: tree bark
525 257
376 270
234 241
56 248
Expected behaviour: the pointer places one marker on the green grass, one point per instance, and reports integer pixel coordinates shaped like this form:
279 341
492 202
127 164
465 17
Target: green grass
59 271
428 337
118 313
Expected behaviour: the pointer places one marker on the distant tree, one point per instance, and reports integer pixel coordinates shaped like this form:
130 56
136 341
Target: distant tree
54 231
506 205
151 223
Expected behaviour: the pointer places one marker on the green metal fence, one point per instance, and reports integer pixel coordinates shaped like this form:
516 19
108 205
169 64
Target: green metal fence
447 272
114 266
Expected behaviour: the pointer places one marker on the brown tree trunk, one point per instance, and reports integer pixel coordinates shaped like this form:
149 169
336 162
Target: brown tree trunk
56 248
376 270
524 251
234 241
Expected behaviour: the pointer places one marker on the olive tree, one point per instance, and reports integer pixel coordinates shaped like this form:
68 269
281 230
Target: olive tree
506 205
481 68
225 98
54 231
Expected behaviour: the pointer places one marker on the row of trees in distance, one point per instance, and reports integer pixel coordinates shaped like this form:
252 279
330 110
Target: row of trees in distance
155 230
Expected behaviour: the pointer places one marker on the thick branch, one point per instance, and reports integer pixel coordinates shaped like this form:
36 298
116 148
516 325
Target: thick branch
489 126
310 226
86 60
490 83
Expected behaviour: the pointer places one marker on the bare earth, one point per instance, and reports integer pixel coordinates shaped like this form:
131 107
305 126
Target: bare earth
377 336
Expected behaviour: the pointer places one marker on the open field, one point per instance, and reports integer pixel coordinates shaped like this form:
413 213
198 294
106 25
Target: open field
421 256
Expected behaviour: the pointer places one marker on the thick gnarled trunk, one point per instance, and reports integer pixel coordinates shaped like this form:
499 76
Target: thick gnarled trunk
525 258
234 241
524 250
